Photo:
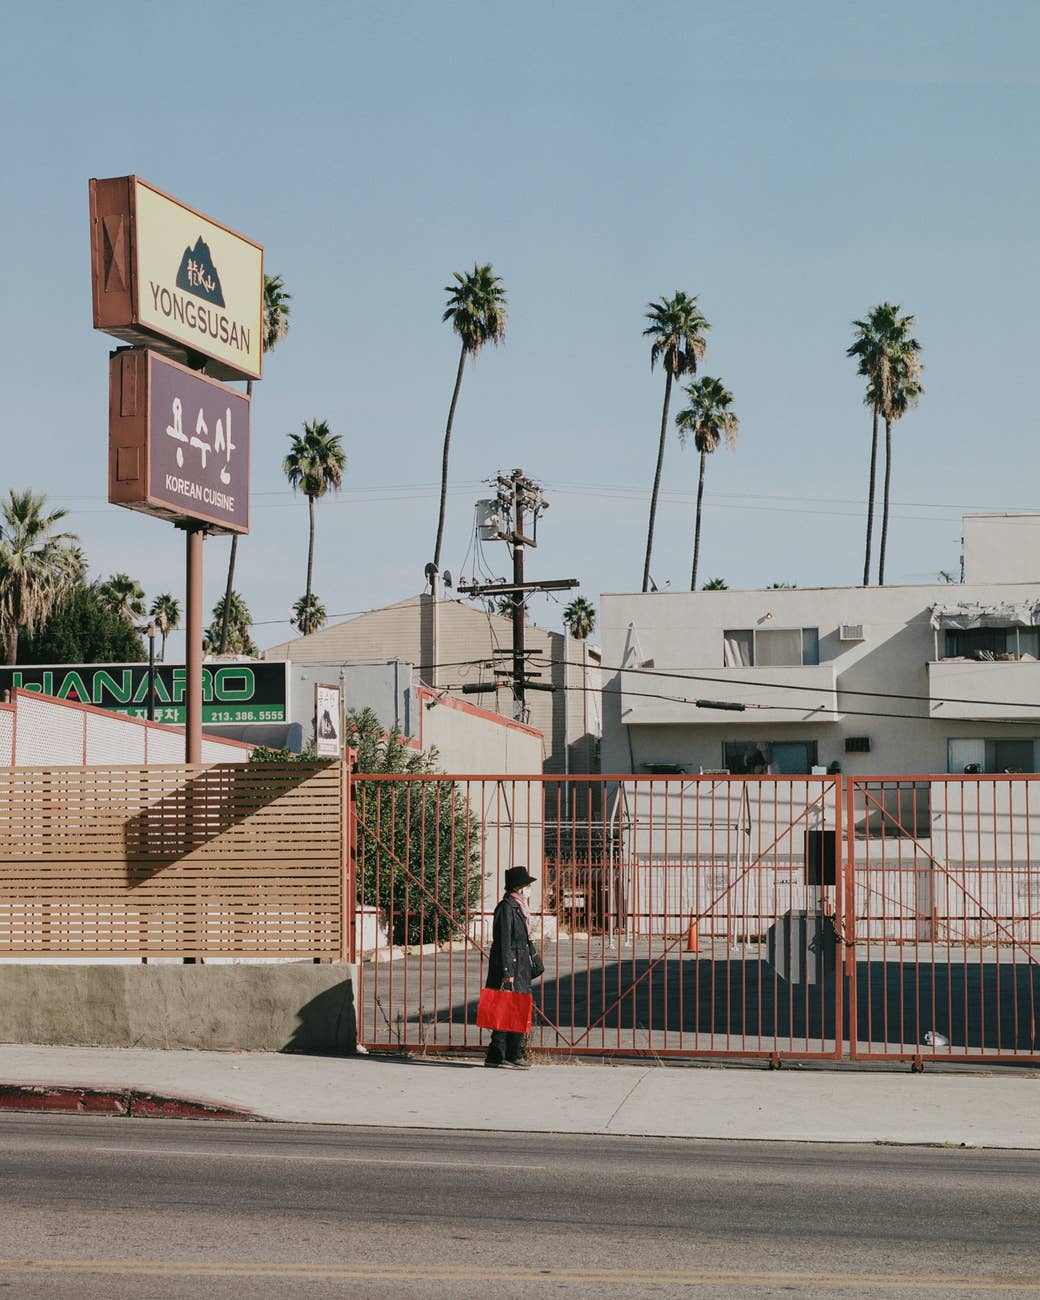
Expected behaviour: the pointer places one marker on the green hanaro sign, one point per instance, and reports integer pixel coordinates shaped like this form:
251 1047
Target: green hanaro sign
254 692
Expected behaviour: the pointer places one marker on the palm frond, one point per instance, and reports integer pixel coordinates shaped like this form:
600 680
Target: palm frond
708 420
316 460
477 307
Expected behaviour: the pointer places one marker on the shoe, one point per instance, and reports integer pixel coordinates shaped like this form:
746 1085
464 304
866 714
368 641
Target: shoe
493 1065
517 1065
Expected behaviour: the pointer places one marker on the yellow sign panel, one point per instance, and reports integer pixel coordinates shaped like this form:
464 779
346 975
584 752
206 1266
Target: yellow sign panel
197 282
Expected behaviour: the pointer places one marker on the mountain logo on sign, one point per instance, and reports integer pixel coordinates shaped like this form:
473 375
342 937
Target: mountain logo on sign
198 275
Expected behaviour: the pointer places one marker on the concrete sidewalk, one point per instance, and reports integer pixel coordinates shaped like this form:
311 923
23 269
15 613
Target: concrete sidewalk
645 1100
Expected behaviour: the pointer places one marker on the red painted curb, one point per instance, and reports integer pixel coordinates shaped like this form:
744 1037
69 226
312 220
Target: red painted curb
127 1102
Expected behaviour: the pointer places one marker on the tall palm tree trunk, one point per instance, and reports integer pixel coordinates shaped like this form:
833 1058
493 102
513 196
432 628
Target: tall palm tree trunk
657 480
697 524
310 570
12 644
884 506
870 500
444 458
227 594
230 569
162 647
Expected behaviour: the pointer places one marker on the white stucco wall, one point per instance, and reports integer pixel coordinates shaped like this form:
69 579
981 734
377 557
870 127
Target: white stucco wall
498 754
682 633
474 740
1001 548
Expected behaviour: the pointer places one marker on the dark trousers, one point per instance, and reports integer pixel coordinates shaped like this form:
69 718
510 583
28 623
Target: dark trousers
505 1047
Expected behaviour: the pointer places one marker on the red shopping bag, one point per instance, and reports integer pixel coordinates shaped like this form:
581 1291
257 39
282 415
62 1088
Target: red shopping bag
506 1010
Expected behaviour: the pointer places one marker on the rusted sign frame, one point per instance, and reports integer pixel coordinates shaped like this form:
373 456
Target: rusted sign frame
130 441
115 291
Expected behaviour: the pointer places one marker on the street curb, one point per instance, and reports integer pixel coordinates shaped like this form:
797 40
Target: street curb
128 1103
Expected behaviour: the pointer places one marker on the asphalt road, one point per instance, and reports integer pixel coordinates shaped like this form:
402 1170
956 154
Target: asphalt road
134 1210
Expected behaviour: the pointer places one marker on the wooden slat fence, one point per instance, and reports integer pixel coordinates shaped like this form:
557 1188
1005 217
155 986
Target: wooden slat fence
242 860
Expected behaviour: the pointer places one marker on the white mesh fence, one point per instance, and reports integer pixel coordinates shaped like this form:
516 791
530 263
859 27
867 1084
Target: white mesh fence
111 740
165 746
53 733
47 733
6 737
215 751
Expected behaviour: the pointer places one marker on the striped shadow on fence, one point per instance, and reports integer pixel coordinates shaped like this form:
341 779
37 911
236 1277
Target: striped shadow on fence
233 860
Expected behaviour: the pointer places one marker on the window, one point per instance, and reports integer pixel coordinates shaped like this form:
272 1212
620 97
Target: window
990 642
1013 754
894 810
779 757
780 647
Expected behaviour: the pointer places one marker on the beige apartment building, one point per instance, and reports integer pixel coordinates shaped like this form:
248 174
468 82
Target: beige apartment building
943 678
451 644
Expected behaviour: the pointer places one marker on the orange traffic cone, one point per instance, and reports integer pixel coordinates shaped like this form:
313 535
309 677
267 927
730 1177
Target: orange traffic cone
691 935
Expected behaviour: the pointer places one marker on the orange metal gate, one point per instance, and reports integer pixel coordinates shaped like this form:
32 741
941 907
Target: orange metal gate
943 910
677 916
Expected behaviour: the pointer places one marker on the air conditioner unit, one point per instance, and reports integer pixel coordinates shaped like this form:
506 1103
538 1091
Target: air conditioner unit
850 632
857 744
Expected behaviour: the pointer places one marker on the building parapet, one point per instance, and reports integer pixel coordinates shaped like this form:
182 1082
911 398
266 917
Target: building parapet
805 693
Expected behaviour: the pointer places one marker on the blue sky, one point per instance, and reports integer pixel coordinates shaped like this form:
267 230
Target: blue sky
790 163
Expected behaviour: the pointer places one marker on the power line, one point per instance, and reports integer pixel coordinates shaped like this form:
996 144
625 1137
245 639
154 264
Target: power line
607 491
770 708
780 686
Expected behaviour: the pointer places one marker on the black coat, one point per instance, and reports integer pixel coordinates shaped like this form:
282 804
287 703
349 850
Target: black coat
510 948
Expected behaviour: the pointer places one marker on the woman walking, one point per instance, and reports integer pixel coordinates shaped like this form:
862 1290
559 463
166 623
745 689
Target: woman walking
509 964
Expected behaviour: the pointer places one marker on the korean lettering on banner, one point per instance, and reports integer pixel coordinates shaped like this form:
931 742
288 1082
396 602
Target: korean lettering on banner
199 439
222 440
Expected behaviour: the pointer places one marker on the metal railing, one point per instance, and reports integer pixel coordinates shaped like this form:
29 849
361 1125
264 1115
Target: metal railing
672 913
944 918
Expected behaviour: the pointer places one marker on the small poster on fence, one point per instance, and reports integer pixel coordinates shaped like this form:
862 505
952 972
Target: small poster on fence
328 721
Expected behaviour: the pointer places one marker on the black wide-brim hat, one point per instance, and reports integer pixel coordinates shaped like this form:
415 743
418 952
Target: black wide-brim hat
517 878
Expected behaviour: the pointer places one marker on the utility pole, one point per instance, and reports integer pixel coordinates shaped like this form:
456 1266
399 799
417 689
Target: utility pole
518 495
519 542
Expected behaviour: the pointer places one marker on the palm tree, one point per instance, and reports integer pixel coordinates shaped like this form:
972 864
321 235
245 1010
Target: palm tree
240 620
276 313
309 612
477 311
166 611
275 328
708 419
123 596
904 392
677 329
580 618
38 566
887 357
716 584
314 464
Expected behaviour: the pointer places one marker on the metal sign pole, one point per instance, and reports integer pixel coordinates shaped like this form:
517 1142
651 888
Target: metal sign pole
193 655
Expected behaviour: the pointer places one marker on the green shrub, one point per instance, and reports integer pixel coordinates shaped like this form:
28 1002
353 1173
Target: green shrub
418 842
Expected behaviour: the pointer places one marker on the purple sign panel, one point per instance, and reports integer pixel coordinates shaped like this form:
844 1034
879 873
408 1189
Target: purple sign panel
198 446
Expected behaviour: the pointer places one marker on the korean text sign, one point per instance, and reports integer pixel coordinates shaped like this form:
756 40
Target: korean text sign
178 443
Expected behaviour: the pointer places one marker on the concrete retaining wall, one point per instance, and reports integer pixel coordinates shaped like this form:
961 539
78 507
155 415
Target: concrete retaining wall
284 1007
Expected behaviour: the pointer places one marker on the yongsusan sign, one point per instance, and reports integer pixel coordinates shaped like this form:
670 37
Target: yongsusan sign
164 274
178 443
